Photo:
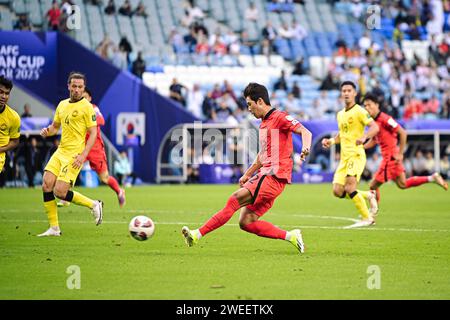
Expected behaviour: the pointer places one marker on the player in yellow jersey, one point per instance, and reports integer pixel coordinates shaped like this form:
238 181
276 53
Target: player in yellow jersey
352 121
76 117
9 122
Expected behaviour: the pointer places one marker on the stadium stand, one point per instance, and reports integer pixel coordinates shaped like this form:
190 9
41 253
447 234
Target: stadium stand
188 39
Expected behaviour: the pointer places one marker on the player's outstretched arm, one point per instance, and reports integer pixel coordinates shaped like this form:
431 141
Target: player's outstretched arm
403 136
306 141
372 132
327 143
370 144
12 144
51 130
256 165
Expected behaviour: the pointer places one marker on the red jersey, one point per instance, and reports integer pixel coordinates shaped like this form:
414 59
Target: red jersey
98 145
275 138
387 136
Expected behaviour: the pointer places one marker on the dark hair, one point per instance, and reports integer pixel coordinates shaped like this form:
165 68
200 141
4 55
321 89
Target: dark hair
348 83
256 91
6 83
86 89
76 75
372 97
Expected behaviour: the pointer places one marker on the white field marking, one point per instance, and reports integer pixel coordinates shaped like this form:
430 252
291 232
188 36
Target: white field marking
235 225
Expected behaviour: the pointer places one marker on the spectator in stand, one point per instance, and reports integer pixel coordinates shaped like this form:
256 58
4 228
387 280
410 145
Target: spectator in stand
299 68
104 47
432 106
316 112
216 92
269 33
195 100
357 9
119 58
190 40
445 110
140 10
419 164
110 8
122 170
228 88
23 23
291 105
54 15
251 13
138 67
281 83
296 91
445 167
329 83
414 109
413 32
176 92
429 163
298 31
33 160
228 99
209 106
125 9
26 111
125 46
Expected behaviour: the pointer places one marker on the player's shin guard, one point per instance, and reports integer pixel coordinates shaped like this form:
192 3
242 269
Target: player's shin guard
221 217
265 229
113 184
51 209
79 199
416 181
360 204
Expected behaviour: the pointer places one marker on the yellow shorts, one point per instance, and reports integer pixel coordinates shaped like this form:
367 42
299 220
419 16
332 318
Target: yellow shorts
61 166
353 166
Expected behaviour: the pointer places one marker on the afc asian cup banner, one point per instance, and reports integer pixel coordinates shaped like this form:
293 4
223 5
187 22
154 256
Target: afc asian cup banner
29 58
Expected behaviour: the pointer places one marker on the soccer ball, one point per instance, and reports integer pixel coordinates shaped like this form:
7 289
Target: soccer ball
141 228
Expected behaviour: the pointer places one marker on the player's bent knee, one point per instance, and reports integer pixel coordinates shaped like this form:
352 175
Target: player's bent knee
401 185
243 224
60 193
349 189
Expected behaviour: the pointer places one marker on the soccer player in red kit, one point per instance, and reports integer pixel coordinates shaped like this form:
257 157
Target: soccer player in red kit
392 167
273 168
97 157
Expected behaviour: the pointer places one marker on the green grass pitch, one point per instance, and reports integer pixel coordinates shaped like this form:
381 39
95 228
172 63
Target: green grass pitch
409 246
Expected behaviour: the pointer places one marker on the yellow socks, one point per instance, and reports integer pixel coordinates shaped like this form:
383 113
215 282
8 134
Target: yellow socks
51 209
360 204
80 200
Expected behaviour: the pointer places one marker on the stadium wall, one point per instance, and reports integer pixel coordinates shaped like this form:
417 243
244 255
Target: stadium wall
137 118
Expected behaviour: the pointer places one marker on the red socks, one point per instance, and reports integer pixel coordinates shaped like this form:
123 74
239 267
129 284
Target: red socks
416 181
265 229
113 184
221 217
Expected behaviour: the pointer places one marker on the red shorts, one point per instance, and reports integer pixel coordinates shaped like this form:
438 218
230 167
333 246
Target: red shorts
264 189
389 170
97 160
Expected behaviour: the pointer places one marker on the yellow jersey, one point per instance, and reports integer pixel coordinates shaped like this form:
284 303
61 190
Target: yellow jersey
351 127
75 119
9 126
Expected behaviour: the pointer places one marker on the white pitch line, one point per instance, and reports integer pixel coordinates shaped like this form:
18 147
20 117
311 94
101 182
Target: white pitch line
236 225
